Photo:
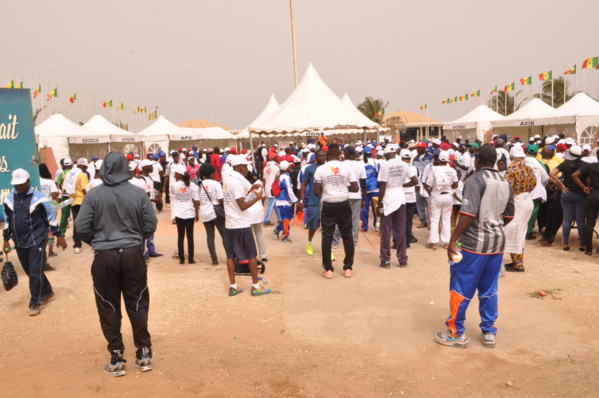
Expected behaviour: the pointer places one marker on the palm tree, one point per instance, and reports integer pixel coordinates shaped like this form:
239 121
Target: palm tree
505 105
558 92
371 107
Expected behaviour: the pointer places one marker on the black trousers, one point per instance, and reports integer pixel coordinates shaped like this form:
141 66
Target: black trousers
219 223
167 197
76 239
185 227
158 187
339 214
591 208
410 211
33 260
116 272
555 217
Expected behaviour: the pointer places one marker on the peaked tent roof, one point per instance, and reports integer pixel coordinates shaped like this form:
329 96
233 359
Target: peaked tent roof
201 124
270 108
311 107
100 125
57 125
161 127
579 105
531 111
480 114
207 133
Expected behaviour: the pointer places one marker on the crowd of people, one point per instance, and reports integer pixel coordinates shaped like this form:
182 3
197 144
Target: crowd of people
477 200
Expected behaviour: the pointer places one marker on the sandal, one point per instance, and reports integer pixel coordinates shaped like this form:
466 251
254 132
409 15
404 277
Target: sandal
431 246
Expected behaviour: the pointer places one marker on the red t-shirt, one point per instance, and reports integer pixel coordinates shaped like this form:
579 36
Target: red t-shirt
218 164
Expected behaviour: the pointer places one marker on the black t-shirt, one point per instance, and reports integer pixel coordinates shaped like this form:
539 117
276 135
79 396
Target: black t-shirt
590 170
568 167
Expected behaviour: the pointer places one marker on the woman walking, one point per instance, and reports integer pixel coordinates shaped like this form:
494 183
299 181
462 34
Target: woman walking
186 202
212 212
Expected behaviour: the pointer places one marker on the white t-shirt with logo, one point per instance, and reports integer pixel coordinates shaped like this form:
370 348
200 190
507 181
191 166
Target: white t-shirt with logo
270 173
359 169
182 197
395 172
441 179
410 192
235 187
48 187
207 202
335 177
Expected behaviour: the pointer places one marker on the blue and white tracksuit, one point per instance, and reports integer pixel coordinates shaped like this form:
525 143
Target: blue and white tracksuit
283 202
372 191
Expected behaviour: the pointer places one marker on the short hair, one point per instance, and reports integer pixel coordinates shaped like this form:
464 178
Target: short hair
334 147
487 154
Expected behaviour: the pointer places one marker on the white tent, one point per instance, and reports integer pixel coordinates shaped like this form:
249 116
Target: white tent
206 137
120 140
67 138
577 118
270 108
312 107
523 122
474 124
156 136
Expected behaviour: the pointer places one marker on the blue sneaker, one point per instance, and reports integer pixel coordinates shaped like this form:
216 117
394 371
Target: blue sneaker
276 233
446 338
115 369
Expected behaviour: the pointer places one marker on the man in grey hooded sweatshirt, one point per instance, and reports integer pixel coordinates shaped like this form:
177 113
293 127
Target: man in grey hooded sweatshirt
115 219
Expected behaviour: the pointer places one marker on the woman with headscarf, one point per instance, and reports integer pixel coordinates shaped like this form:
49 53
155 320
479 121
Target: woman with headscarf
211 207
186 202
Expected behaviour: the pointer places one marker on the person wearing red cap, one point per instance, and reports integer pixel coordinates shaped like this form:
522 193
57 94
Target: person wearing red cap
233 151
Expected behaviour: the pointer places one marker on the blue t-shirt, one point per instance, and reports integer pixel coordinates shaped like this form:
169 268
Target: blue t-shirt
308 177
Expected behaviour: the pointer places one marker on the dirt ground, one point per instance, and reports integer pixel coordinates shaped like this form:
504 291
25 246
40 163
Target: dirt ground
371 335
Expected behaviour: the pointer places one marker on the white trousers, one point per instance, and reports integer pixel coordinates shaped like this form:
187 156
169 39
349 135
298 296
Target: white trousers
441 206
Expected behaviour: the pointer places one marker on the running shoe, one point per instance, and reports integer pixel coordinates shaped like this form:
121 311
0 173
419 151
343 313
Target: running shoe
327 274
260 291
235 292
34 310
144 364
348 273
385 264
286 240
276 233
309 249
488 339
446 338
115 369
333 258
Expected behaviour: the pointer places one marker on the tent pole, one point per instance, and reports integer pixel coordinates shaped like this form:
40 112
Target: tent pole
252 153
293 42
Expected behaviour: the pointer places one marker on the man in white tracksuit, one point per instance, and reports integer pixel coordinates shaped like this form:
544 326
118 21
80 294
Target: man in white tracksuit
440 184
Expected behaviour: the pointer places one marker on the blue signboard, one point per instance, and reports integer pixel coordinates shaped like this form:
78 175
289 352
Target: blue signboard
17 138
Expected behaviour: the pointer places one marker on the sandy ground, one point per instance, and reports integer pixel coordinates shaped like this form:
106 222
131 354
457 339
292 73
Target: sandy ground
371 335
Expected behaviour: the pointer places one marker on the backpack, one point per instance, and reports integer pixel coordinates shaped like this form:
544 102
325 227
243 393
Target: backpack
70 181
275 189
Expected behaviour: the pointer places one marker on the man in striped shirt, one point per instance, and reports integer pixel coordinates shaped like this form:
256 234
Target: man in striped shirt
487 206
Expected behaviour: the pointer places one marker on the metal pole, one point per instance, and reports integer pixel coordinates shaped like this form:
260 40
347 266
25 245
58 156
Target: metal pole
293 42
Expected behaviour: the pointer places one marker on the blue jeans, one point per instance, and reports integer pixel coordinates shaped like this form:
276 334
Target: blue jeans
573 205
368 204
33 260
271 206
422 204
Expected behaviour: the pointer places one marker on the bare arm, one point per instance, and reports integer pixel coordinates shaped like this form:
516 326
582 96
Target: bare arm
576 177
463 223
318 188
413 182
560 185
354 187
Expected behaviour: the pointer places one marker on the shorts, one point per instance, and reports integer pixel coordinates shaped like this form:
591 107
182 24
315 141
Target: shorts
240 244
313 217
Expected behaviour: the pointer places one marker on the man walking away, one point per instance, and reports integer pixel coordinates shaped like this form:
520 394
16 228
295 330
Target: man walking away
80 191
357 199
114 219
284 202
313 200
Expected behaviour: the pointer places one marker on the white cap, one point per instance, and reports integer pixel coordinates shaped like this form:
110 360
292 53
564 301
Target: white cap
586 148
389 149
405 154
537 136
19 176
517 152
444 156
359 149
380 152
570 141
227 149
239 160
284 165
548 140
98 164
180 169
67 162
147 162
437 141
576 150
451 152
136 156
82 162
132 166
378 147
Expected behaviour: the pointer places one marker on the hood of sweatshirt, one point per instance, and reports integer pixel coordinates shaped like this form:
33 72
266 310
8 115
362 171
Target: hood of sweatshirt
114 169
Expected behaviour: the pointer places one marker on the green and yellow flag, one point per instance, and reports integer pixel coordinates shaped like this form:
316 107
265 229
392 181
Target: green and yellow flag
10 84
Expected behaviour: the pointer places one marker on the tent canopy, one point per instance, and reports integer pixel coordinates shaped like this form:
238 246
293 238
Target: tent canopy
58 126
480 114
526 115
160 128
100 125
312 107
270 108
579 105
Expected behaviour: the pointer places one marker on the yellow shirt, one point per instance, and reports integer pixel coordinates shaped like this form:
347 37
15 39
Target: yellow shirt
82 182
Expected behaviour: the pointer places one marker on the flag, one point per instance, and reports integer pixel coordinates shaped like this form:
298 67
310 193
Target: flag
121 107
10 84
144 110
136 110
153 115
73 98
455 99
510 87
475 94
590 63
464 97
423 107
446 101
526 81
38 91
494 90
107 104
53 94
571 71
20 85
546 76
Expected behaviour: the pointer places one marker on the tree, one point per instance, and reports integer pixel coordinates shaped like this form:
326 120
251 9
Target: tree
371 107
558 92
37 113
505 105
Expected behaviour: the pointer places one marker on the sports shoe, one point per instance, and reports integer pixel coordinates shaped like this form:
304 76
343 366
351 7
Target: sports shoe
47 298
144 364
403 265
214 262
115 369
445 338
309 249
333 258
327 274
276 233
385 264
348 273
235 292
286 240
264 259
77 250
260 291
34 310
376 229
488 339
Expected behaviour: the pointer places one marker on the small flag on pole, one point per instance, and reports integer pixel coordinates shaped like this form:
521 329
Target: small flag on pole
20 85
73 98
38 91
153 115
510 87
10 84
381 112
464 97
571 71
455 99
526 81
475 94
494 90
590 63
423 107
53 94
546 76
107 104
121 107
446 101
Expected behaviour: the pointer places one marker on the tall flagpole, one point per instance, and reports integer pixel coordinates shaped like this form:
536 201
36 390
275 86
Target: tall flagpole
50 99
552 90
84 107
68 92
293 45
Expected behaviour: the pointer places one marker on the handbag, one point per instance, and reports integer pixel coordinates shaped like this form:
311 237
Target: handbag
218 209
9 275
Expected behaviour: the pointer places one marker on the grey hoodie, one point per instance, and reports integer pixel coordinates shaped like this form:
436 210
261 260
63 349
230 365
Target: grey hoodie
115 214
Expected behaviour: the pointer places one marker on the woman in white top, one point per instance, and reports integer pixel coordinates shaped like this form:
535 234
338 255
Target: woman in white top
211 200
186 202
256 216
48 187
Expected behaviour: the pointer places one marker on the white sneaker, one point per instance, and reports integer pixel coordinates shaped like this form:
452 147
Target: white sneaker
77 250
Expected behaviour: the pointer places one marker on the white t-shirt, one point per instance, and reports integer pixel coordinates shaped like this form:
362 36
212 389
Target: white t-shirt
48 187
410 192
441 179
335 177
270 173
235 187
139 183
256 212
215 191
182 197
359 169
395 172
94 183
155 174
459 193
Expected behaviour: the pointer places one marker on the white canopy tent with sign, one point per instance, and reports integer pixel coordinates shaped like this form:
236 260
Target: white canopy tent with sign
475 124
121 140
207 137
522 123
156 136
67 138
578 118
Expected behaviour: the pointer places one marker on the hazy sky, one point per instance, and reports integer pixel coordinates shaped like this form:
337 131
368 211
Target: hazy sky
220 60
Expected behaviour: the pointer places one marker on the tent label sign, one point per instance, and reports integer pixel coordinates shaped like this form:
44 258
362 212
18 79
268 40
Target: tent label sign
127 139
530 123
90 140
459 126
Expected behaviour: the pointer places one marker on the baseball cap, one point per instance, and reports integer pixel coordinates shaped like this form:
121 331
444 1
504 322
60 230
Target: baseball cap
129 156
233 150
548 140
99 164
19 176
389 149
367 149
67 162
443 156
132 166
421 144
180 169
517 151
437 141
405 154
474 144
284 165
350 149
532 149
380 152
575 150
586 148
156 156
82 162
94 158
359 149
147 162
162 154
173 153
239 160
